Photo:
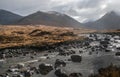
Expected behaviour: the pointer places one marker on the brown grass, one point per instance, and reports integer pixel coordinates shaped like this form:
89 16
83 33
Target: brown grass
111 71
11 36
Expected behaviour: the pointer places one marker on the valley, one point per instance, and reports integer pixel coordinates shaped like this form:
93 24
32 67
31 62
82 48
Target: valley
97 50
59 38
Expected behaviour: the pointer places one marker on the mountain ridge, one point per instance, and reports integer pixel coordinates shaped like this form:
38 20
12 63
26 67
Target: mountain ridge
51 18
110 20
7 17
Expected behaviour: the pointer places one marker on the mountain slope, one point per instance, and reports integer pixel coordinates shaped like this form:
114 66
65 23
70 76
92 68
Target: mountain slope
110 20
7 17
49 18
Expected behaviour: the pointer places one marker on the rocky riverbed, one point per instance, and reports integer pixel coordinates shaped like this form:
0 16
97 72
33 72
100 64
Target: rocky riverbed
74 59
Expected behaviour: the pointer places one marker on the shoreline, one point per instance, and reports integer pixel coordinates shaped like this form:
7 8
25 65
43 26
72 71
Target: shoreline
44 47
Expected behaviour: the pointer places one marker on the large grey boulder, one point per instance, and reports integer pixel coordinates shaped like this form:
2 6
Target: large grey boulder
76 58
45 68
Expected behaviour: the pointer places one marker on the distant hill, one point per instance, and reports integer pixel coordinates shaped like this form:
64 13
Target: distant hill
7 17
110 20
50 18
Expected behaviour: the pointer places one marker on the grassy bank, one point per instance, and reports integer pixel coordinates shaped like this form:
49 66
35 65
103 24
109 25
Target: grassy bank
36 36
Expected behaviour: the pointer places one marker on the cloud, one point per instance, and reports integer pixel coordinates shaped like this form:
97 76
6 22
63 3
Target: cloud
24 7
81 10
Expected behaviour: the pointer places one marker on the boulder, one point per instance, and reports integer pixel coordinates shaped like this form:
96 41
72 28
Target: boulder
117 53
59 63
45 68
107 50
60 73
76 58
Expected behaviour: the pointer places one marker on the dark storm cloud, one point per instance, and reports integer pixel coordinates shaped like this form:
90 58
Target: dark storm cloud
82 10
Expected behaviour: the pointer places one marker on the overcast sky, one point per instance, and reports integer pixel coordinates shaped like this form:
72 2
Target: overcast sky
81 10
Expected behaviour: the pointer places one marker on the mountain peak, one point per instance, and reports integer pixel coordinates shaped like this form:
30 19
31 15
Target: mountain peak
51 18
55 13
38 12
110 20
49 13
111 13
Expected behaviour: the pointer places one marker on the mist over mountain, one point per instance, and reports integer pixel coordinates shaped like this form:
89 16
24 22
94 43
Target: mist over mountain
110 20
7 17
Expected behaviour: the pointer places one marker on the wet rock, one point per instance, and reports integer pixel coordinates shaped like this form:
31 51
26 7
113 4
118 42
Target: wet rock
59 63
66 53
13 70
76 58
20 65
75 75
27 73
62 53
2 75
37 71
45 54
107 50
72 52
32 57
17 76
60 73
69 60
80 51
45 68
90 53
117 53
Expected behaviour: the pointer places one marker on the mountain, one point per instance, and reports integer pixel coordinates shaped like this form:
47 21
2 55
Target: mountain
51 18
110 20
7 17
